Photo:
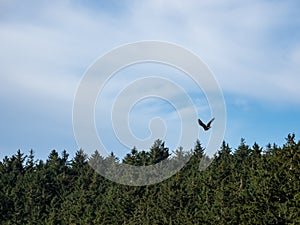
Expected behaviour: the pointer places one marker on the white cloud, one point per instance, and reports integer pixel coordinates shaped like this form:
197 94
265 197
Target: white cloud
234 38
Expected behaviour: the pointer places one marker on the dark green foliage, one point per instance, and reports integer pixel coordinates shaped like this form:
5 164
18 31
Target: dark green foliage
242 186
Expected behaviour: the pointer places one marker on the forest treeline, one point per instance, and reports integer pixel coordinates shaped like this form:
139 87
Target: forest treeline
246 185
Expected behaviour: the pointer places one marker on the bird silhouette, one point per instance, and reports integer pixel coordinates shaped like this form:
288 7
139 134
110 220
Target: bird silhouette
205 126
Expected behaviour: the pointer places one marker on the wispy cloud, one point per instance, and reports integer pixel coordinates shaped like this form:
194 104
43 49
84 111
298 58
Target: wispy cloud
251 46
239 41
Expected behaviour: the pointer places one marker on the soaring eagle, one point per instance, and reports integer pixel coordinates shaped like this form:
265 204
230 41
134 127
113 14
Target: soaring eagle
205 126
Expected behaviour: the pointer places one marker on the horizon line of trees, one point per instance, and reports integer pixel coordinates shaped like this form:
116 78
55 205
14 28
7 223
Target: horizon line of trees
248 185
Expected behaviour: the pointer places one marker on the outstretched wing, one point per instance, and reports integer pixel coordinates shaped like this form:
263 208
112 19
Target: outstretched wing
209 123
201 123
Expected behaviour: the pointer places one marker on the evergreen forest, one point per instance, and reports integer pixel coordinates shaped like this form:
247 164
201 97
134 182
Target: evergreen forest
242 185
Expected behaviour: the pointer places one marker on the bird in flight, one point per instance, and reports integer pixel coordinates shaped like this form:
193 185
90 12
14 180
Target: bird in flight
205 126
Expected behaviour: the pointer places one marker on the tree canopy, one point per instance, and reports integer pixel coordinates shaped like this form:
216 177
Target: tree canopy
246 185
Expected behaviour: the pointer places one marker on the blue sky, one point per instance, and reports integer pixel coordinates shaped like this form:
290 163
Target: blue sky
252 47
